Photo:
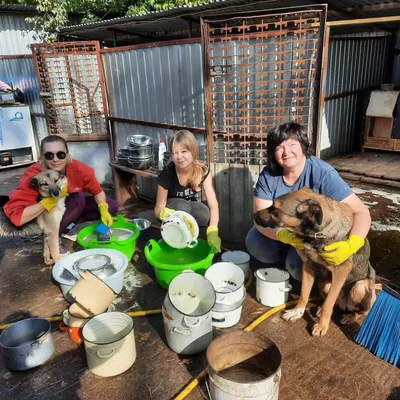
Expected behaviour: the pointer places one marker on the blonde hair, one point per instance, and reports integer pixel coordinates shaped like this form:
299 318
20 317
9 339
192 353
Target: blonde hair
200 169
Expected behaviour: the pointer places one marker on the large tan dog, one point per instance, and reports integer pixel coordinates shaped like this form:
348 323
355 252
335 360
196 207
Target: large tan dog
48 184
320 221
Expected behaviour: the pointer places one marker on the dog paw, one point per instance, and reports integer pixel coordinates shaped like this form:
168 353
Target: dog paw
348 319
320 329
48 261
294 314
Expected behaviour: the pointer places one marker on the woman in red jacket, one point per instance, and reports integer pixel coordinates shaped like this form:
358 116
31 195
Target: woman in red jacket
24 207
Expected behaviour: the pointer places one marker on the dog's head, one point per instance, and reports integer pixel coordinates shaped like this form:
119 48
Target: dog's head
49 183
299 211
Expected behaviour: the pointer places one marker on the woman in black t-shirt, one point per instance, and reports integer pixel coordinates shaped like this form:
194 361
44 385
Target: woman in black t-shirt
180 184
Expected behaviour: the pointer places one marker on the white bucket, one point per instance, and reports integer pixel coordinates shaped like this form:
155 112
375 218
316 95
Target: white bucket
273 286
239 258
244 365
228 282
109 343
187 313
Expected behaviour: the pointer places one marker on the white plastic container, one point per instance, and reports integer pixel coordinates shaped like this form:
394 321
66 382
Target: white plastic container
273 286
109 343
161 150
239 258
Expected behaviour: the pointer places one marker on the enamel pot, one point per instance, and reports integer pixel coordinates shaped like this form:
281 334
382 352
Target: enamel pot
273 286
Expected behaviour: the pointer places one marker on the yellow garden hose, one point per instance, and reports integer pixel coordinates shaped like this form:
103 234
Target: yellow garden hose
185 392
59 318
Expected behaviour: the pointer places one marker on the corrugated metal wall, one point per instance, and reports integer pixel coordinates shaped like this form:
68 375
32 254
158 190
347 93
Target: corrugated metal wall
355 64
165 85
21 73
16 35
160 84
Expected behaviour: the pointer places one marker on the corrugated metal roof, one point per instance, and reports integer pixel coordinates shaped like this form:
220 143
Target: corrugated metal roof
166 24
17 8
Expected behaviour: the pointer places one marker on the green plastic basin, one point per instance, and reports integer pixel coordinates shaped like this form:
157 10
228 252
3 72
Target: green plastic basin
169 262
127 246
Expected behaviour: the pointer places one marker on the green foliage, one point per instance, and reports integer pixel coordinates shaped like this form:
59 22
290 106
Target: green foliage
53 14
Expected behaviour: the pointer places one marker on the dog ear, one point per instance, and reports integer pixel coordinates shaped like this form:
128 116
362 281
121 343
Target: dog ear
34 183
312 209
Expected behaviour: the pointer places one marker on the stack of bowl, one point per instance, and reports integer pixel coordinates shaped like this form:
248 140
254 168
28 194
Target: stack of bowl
141 151
122 156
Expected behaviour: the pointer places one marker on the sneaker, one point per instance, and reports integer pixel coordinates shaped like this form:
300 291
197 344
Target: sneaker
71 234
64 252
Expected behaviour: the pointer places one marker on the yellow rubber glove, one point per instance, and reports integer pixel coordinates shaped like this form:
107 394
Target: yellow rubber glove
288 237
50 202
338 252
213 239
165 213
106 217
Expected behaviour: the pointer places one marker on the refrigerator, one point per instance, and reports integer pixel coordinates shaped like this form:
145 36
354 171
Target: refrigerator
16 133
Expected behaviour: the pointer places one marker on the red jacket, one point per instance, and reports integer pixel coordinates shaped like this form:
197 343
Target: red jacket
80 178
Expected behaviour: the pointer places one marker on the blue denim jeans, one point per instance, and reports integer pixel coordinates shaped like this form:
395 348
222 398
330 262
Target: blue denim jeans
269 251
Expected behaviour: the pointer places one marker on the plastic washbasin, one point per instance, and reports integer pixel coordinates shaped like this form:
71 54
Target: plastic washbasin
127 246
169 262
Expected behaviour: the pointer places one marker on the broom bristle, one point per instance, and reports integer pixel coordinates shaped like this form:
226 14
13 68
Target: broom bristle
380 332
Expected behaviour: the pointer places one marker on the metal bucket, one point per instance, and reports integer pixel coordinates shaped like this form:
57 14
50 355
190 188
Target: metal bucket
228 282
187 313
109 343
27 344
239 258
244 365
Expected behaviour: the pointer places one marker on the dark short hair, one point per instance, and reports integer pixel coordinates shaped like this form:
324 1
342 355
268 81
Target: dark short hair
282 132
53 139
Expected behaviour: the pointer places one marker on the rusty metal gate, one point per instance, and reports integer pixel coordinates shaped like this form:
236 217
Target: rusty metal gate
260 70
72 88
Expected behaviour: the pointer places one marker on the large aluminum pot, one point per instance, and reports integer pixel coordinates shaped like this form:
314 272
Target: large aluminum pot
27 344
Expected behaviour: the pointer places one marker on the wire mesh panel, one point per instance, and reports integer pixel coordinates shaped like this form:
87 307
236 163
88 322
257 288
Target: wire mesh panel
260 71
72 88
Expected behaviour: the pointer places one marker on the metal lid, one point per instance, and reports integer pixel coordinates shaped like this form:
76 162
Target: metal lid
236 257
272 274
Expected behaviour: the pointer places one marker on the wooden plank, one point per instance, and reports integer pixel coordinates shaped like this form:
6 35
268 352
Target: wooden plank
221 172
145 173
390 170
360 163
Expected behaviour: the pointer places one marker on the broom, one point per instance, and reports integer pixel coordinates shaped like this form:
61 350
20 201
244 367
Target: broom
380 332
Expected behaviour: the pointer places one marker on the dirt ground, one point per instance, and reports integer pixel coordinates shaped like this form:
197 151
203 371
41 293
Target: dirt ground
333 367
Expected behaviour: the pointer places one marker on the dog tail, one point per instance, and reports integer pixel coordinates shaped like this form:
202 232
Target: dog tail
8 229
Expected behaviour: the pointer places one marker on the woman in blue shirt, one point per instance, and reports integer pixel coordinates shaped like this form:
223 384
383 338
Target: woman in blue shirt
290 167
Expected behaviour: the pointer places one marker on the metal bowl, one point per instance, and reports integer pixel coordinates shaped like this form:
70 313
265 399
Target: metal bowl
141 223
139 140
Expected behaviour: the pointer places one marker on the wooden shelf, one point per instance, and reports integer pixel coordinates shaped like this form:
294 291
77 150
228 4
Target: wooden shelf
147 173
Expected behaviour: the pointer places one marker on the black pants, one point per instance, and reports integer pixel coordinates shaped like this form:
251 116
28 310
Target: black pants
199 211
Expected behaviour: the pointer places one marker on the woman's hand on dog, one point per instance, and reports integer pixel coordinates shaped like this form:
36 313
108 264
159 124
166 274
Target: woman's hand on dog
50 202
338 252
288 237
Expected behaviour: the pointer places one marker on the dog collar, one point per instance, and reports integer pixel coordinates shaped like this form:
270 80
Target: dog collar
316 236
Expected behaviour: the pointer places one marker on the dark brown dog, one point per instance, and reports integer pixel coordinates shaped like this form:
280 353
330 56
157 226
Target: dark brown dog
320 221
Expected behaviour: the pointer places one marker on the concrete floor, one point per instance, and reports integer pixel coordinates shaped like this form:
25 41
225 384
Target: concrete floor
333 367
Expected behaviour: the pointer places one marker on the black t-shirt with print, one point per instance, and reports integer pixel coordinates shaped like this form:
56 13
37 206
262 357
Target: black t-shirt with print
168 179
